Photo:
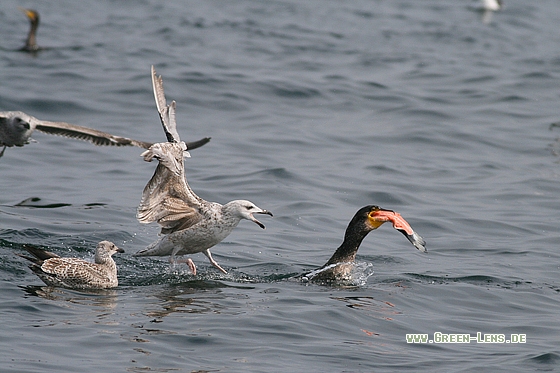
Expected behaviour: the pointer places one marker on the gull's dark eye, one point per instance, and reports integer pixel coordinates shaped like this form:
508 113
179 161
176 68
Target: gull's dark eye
249 207
21 122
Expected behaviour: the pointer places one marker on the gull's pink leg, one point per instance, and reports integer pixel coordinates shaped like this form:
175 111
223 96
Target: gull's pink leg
191 265
207 253
188 261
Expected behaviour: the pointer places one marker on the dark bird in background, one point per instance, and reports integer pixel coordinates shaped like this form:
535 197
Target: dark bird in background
31 41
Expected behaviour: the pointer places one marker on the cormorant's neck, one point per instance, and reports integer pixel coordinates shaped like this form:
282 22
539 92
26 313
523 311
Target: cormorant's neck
355 234
31 43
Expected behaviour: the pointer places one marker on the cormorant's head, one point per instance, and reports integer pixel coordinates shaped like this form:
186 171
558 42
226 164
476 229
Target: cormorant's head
374 216
33 15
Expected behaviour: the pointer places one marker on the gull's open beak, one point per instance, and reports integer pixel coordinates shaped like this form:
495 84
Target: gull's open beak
379 216
265 212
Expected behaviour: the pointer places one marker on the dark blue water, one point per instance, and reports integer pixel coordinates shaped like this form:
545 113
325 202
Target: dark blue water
315 109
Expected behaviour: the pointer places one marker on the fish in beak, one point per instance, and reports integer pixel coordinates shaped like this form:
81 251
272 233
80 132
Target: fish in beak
378 216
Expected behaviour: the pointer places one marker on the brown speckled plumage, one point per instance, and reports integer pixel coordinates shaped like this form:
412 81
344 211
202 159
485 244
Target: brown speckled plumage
76 273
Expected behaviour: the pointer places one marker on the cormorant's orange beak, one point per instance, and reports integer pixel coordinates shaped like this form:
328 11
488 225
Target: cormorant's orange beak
378 216
27 12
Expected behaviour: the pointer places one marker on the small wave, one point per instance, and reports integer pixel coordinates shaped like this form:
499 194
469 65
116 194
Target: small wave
480 280
33 202
547 358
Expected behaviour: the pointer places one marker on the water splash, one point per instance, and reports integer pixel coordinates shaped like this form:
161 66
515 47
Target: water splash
357 275
361 272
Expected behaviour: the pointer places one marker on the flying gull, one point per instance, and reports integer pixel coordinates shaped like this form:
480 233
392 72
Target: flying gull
76 273
339 266
189 223
16 128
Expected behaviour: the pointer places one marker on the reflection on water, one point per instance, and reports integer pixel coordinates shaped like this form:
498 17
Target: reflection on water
487 16
555 145
199 296
378 308
102 298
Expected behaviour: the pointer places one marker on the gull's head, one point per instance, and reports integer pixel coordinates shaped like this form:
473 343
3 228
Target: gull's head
106 249
245 209
15 128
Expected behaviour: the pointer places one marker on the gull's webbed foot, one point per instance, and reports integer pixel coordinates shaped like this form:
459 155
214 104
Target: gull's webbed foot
188 261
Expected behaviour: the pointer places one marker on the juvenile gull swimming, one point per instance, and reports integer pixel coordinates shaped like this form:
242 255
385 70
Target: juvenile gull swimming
189 223
339 266
76 273
16 128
